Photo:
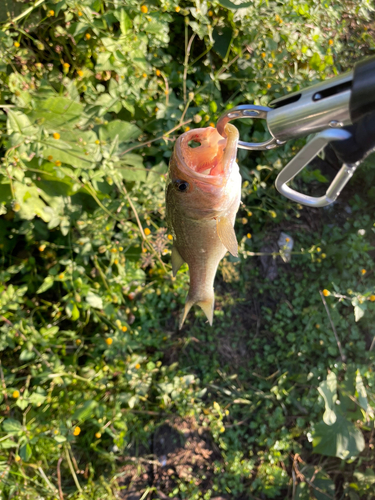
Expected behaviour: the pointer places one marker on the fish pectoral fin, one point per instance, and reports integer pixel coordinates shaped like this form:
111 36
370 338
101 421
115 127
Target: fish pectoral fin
206 305
227 236
177 260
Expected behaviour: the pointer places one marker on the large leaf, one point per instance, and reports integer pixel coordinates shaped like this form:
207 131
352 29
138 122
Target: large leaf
56 112
125 131
94 300
230 5
12 426
341 439
85 411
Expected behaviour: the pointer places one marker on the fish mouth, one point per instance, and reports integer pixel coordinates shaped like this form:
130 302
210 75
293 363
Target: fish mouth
212 160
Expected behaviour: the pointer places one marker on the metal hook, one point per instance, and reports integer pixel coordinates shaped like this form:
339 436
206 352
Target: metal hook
248 111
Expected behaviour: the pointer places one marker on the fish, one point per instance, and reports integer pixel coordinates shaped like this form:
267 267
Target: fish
203 195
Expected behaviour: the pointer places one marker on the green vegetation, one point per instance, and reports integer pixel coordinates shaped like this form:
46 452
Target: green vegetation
101 397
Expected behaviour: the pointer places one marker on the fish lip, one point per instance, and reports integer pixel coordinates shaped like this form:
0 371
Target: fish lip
206 178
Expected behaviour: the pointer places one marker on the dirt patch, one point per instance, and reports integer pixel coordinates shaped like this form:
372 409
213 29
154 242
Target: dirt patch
182 451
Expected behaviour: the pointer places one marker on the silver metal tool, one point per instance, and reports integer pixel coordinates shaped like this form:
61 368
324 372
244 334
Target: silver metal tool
325 109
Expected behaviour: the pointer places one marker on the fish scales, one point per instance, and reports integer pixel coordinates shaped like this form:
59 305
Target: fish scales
201 209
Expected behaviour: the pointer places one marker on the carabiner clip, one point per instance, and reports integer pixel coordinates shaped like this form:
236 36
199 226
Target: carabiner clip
303 158
248 111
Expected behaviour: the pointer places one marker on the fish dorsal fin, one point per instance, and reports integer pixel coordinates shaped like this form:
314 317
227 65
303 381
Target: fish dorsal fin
227 235
177 260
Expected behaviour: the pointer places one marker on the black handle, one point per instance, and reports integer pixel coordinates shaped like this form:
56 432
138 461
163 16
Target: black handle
362 99
361 143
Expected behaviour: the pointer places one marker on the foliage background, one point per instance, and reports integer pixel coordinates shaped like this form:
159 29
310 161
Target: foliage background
95 377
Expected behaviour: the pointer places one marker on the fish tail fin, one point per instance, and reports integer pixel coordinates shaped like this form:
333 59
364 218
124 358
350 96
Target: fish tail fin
207 306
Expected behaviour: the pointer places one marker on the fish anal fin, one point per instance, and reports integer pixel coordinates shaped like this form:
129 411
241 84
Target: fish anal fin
227 236
206 305
177 260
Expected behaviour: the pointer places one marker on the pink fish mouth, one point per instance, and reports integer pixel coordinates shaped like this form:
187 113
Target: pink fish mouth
215 155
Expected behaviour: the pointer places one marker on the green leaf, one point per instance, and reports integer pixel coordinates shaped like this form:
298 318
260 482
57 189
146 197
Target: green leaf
7 443
56 112
125 131
94 300
20 123
341 439
125 21
26 452
85 411
328 390
47 283
222 37
134 170
230 5
12 426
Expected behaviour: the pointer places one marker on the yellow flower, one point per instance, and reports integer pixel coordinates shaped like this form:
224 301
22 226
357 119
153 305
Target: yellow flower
115 261
372 298
51 13
78 341
16 44
244 220
158 72
98 435
61 276
287 240
108 341
177 9
56 136
80 13
330 42
212 125
147 231
187 129
87 36
97 141
58 163
273 214
16 394
144 9
249 214
323 255
49 158
66 65
317 326
156 110
248 235
77 431
144 75
210 13
114 250
41 248
170 237
17 458
137 366
80 73
222 429
269 85
318 249
270 65
124 328
326 292
263 54
363 271
16 207
165 338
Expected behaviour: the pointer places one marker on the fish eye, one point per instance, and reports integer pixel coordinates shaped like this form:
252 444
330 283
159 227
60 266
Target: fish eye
181 186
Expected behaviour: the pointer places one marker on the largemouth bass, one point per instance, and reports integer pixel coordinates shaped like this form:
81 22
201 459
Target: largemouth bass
202 197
